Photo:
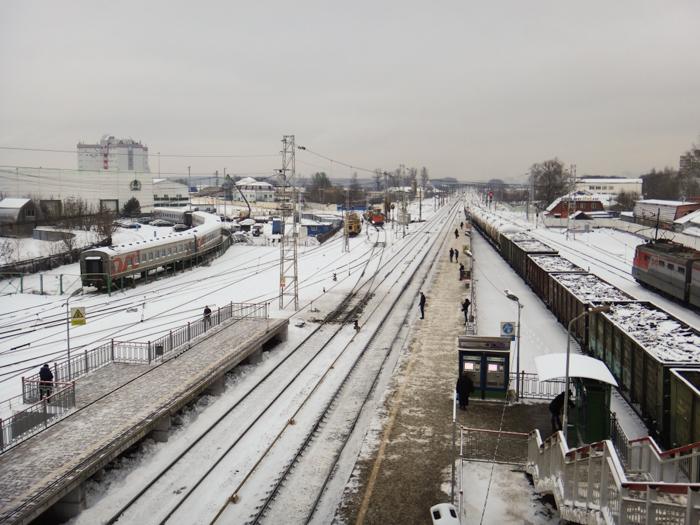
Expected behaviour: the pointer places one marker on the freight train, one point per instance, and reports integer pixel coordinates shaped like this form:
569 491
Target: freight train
670 268
115 266
654 356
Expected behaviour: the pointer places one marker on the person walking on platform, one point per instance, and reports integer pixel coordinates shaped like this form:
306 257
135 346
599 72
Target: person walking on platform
556 407
452 254
465 386
461 272
465 309
456 255
421 305
456 233
45 381
461 225
207 316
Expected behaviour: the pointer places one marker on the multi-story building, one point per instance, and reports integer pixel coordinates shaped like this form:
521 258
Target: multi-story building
256 191
609 185
112 154
689 161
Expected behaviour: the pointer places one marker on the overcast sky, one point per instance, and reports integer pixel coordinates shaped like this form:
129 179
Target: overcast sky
469 89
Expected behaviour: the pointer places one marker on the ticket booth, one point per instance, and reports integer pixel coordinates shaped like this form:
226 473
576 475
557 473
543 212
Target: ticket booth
590 383
487 362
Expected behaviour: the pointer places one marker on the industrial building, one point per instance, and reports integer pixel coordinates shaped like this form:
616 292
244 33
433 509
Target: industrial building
168 193
112 154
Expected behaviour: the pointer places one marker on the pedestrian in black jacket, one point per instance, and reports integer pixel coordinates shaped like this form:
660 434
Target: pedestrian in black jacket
465 386
45 381
207 316
456 255
462 273
452 254
456 233
421 305
556 407
465 309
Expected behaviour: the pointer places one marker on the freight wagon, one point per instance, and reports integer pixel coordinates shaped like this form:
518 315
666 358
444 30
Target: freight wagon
641 344
538 268
685 406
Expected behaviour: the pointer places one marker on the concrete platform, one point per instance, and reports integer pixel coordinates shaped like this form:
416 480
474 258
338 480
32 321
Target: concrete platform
48 470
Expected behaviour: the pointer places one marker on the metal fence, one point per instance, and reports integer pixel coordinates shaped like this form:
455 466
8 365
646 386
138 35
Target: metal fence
150 351
533 388
37 416
494 446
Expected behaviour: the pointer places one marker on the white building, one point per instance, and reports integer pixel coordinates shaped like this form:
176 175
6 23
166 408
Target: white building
168 193
256 191
113 154
609 186
98 189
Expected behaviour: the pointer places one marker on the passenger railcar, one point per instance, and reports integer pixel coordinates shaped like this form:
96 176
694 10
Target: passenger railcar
670 268
108 267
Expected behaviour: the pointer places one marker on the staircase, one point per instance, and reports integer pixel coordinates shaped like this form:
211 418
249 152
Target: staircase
593 485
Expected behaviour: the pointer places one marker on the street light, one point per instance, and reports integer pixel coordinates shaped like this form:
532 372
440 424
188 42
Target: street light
515 298
594 310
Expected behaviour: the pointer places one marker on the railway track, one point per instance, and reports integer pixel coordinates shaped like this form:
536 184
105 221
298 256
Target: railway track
327 346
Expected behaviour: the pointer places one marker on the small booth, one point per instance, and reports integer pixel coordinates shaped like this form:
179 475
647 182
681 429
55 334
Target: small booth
486 360
590 380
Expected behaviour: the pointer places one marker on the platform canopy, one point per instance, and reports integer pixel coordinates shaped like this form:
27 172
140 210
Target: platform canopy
553 366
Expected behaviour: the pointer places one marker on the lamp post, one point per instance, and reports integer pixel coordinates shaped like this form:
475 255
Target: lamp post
515 298
472 273
594 310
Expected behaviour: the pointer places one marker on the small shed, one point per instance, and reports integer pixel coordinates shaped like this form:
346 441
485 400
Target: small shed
652 211
591 380
17 217
574 202
486 360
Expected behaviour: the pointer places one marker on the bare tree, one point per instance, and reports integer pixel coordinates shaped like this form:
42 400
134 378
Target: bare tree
69 241
549 180
413 178
423 177
105 226
7 249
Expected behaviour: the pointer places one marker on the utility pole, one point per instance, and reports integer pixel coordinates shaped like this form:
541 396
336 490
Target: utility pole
224 191
346 229
404 212
189 185
420 204
289 283
386 196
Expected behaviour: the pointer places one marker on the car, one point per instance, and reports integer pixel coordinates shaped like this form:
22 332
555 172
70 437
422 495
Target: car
180 227
128 224
144 220
160 222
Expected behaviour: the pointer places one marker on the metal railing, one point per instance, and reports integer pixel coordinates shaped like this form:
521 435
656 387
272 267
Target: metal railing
532 388
37 416
494 446
590 484
150 351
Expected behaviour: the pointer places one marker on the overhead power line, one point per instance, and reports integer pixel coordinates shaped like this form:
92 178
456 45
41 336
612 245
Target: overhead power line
351 166
171 155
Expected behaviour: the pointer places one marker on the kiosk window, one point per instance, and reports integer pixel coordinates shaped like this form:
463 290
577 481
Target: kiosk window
472 366
495 372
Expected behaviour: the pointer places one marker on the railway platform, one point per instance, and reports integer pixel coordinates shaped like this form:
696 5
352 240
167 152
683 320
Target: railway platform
116 406
406 472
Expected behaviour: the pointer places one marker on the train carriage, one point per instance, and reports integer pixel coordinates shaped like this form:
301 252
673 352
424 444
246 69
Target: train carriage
538 268
641 344
685 406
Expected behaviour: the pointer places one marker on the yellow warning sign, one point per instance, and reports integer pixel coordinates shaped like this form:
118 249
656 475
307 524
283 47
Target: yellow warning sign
77 316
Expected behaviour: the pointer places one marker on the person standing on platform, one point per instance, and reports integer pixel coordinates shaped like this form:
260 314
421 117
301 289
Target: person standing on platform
461 225
456 255
465 386
465 309
461 272
207 316
45 381
452 254
456 233
556 407
421 305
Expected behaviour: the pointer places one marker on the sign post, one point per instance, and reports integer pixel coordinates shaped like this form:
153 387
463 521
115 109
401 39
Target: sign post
76 317
508 329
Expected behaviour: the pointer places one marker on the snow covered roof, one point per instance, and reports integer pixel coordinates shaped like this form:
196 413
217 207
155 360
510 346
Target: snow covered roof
659 202
553 366
11 203
573 196
610 180
250 181
692 217
554 263
590 288
664 337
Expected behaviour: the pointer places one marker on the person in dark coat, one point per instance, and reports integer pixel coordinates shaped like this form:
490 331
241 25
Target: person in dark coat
452 254
465 309
465 386
421 305
207 315
461 272
556 408
456 255
461 225
46 381
456 233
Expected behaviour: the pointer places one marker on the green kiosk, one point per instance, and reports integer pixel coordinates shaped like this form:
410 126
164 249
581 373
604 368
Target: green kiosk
486 360
590 382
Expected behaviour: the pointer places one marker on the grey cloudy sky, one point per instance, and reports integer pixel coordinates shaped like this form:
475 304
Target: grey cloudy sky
469 89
